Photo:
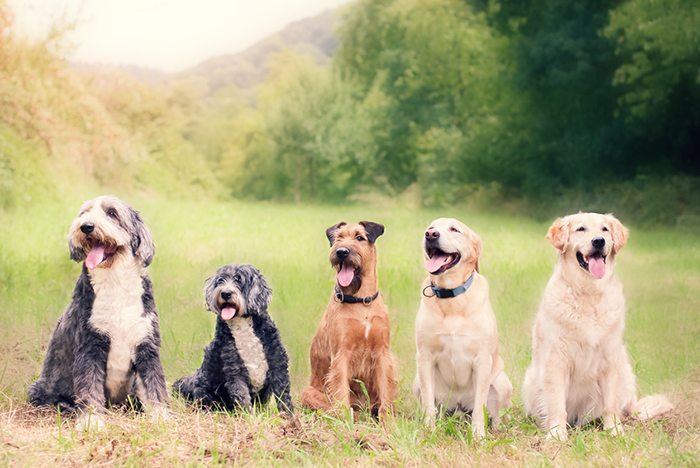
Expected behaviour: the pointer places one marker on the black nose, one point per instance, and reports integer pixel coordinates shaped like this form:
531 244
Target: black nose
87 228
432 234
342 252
226 295
598 242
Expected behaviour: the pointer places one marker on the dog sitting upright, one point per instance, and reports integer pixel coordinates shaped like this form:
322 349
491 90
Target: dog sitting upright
457 360
580 368
246 361
106 345
352 340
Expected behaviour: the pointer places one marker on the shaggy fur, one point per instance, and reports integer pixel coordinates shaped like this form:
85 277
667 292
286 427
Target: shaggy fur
246 362
352 341
457 360
106 345
580 369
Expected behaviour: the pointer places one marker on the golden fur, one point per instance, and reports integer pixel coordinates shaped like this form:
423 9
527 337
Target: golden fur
458 365
580 369
352 340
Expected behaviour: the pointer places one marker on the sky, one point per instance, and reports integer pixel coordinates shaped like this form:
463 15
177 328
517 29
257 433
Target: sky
167 35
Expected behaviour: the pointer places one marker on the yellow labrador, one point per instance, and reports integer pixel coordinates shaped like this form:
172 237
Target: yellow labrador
580 370
458 365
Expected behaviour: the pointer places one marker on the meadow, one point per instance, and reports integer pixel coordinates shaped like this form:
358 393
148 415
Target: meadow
660 269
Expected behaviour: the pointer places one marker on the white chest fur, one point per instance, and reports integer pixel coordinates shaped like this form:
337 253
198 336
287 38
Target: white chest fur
250 350
118 312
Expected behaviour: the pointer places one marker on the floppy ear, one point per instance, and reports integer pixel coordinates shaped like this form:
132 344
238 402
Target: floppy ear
260 294
476 248
330 232
141 241
208 283
374 230
620 233
558 234
77 254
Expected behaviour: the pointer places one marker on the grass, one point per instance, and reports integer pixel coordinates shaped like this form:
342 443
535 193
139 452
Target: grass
659 269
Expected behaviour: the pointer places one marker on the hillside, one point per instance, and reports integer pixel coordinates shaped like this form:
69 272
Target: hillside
314 36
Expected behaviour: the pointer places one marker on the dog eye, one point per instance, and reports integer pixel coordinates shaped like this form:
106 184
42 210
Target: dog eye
581 229
219 281
237 279
605 229
360 238
454 229
112 213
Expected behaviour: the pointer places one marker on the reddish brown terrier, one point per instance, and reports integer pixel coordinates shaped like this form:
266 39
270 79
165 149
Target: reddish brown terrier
351 345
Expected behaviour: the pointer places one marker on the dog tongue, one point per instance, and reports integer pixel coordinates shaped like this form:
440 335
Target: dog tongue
596 265
436 262
227 313
95 256
345 275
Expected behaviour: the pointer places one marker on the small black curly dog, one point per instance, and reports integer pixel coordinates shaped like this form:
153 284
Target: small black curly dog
246 362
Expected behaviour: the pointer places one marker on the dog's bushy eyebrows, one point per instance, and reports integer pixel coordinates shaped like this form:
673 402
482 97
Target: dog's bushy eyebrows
253 285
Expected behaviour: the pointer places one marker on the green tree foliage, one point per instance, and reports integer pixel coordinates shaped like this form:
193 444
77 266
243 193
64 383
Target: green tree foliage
658 49
313 142
63 129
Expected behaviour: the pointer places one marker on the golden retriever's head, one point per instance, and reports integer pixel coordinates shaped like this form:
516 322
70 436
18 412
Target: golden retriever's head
589 239
451 248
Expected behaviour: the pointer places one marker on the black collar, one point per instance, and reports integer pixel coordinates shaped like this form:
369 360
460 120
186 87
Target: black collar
347 299
449 293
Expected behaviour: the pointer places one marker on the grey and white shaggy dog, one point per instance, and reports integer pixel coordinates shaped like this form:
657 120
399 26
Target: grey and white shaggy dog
246 362
105 347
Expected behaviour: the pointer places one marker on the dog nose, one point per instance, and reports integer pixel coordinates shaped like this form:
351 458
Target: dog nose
342 252
432 234
226 295
598 242
87 228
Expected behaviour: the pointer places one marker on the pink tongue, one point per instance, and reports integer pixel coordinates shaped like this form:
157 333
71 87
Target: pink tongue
227 313
434 264
95 256
596 266
345 275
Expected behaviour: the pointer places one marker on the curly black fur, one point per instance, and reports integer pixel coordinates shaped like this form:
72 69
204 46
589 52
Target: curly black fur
223 380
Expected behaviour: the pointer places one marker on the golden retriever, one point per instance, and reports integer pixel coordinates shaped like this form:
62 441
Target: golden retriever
580 369
457 360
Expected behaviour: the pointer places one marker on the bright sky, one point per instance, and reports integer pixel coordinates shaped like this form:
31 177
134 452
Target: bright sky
165 34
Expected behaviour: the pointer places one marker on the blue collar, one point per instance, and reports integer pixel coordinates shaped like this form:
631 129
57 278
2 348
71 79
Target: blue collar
441 293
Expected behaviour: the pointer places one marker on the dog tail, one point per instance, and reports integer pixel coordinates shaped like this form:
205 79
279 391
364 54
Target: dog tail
650 407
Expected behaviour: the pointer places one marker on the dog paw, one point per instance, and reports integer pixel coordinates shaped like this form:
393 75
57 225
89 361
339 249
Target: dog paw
558 433
429 416
615 429
478 432
159 414
88 422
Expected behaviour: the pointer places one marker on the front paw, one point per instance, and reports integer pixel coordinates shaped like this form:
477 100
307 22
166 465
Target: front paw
478 431
558 433
429 416
89 421
614 428
159 414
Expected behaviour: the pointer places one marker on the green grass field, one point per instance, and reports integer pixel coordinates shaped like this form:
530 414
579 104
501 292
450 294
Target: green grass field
660 270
